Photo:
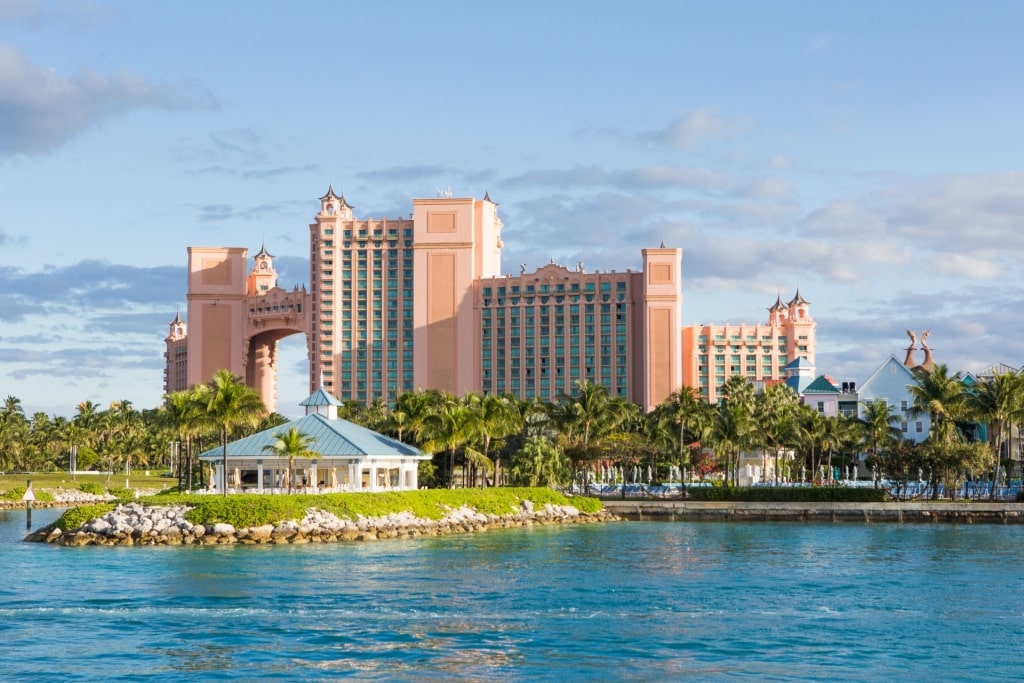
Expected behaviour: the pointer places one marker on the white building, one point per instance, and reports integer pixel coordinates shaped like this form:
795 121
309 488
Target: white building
345 457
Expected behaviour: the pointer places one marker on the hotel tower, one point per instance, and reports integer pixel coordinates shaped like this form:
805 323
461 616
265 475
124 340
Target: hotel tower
401 304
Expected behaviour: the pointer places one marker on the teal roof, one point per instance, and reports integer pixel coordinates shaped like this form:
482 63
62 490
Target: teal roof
321 398
821 386
331 439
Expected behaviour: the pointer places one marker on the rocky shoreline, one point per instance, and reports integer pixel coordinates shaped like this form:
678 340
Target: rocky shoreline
138 524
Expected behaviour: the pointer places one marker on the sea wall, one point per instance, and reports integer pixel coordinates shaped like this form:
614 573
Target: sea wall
741 511
137 524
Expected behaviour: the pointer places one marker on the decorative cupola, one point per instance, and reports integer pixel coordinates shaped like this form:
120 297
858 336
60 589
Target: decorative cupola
333 205
322 403
799 307
263 277
178 328
777 312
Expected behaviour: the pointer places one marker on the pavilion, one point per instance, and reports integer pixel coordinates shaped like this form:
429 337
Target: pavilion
344 457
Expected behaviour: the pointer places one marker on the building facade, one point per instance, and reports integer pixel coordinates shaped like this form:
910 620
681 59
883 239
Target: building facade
234 321
759 352
396 305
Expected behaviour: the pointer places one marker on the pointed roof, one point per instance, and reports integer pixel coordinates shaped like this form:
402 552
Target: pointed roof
778 305
177 317
263 252
800 363
798 299
487 198
320 397
821 385
330 193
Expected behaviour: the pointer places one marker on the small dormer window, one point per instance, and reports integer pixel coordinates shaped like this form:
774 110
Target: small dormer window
330 209
263 266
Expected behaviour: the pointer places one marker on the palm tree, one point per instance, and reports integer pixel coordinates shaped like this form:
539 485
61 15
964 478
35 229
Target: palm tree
942 398
540 463
180 410
291 444
227 404
811 433
998 402
499 417
775 417
734 427
588 416
451 427
678 409
879 422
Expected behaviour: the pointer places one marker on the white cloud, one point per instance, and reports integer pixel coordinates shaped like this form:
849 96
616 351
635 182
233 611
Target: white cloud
40 109
693 128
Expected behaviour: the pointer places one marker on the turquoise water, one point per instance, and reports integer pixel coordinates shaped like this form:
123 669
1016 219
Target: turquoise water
625 601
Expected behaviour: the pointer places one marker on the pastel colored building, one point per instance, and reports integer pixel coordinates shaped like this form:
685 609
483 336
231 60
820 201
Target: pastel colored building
401 304
759 352
891 382
235 320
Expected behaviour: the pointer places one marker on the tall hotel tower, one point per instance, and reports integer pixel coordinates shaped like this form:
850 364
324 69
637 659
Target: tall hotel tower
401 304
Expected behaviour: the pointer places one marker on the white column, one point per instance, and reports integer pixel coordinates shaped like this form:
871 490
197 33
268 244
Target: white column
259 476
218 477
313 475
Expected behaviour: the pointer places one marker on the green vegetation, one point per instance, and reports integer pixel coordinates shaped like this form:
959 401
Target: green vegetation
255 510
17 492
92 488
493 441
76 517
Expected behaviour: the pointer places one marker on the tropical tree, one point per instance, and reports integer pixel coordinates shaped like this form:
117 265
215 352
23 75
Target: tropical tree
540 463
775 411
586 417
880 425
811 426
998 401
942 398
678 410
225 405
291 444
451 427
180 412
498 418
734 425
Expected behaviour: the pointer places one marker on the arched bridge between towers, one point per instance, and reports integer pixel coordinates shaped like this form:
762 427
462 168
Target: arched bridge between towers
270 317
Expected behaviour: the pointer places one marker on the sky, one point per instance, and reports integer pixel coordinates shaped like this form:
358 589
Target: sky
866 153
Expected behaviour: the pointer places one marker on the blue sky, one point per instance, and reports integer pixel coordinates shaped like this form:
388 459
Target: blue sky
868 153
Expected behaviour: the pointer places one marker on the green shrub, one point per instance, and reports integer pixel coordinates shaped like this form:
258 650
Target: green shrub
245 510
92 488
121 493
76 517
18 491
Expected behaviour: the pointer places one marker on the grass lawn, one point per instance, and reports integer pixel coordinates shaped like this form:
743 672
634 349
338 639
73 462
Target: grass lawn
55 480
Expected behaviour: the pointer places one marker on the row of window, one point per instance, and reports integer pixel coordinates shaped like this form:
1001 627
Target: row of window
557 287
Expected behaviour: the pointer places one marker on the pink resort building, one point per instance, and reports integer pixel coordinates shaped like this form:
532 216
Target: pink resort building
401 304
760 352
